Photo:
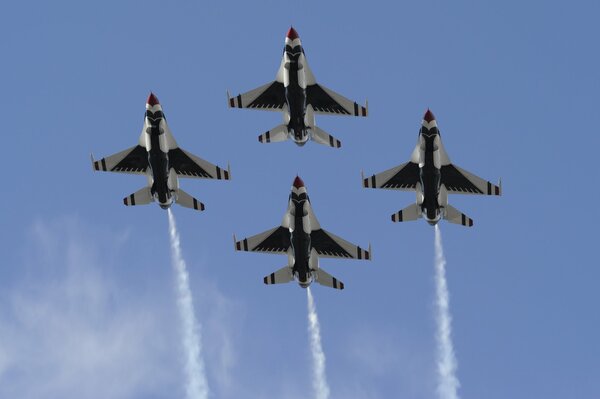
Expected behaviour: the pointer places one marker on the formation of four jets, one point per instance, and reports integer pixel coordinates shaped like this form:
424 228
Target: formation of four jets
296 94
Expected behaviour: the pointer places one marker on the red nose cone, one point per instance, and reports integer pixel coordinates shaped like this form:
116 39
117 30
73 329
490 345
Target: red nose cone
292 34
298 183
152 100
428 117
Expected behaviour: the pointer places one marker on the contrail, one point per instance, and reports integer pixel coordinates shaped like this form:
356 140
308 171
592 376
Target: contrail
448 383
319 380
196 386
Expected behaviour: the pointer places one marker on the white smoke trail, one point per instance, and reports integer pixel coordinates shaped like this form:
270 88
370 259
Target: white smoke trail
196 385
448 383
319 380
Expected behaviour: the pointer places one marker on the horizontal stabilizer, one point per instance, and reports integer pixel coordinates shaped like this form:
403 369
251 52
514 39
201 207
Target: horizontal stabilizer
319 136
328 280
186 200
281 276
453 215
140 197
412 212
278 133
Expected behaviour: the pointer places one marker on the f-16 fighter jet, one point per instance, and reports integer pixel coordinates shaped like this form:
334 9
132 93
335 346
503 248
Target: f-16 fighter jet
158 156
431 174
302 239
296 93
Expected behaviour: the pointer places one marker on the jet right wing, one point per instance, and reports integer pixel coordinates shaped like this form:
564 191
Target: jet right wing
269 97
327 101
403 177
459 181
329 245
187 164
273 241
132 160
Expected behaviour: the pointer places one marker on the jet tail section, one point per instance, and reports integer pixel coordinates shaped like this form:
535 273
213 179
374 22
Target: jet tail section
281 276
453 215
140 197
186 200
278 133
328 280
412 212
321 137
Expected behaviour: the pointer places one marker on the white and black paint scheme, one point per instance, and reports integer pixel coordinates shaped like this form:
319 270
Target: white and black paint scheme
158 156
296 94
302 239
432 176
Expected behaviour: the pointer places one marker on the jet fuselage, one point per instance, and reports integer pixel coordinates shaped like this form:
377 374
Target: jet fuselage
429 174
295 94
158 158
300 241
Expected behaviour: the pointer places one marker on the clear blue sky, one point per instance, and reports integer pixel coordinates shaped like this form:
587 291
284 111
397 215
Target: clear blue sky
87 304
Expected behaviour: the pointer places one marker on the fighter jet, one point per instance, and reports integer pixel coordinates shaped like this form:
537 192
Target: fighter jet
296 94
431 174
158 156
302 239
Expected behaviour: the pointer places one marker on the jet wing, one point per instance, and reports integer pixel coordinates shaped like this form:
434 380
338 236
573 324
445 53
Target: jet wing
132 160
270 97
329 245
188 165
403 177
459 181
326 101
274 241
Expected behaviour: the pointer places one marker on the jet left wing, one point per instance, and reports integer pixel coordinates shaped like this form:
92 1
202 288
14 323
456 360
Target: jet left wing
459 181
269 97
402 177
329 245
274 241
188 165
132 160
326 101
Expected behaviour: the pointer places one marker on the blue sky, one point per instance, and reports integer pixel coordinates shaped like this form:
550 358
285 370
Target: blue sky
87 304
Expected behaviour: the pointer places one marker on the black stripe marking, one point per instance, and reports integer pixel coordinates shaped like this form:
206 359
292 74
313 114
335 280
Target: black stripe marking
464 221
132 199
103 164
218 173
400 216
359 252
331 141
245 244
355 109
239 98
373 183
272 278
335 285
268 136
489 188
195 202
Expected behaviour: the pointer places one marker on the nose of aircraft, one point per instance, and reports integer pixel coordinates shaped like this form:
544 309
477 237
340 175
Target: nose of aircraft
152 100
292 34
428 117
298 183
